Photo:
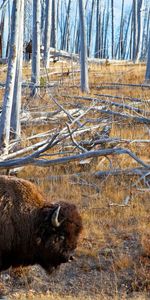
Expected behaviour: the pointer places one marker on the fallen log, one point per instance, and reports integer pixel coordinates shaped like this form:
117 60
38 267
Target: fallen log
139 119
34 158
121 97
115 172
116 84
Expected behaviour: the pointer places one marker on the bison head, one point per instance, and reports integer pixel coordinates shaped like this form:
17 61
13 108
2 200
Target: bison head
57 233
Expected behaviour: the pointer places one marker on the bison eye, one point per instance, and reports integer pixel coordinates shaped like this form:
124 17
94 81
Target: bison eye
62 237
59 238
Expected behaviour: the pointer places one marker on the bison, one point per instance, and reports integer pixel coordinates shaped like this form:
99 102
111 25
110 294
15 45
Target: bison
32 229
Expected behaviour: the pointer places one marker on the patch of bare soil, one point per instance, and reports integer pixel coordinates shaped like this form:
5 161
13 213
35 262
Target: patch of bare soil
117 271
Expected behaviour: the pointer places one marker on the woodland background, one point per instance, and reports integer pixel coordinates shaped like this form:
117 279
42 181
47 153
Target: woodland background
75 120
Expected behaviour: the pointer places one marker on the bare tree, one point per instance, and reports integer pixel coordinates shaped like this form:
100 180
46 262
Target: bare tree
83 51
66 32
147 75
121 32
2 29
91 27
98 21
5 120
106 31
35 78
142 35
139 28
16 107
42 22
47 32
136 24
54 25
125 44
27 21
112 28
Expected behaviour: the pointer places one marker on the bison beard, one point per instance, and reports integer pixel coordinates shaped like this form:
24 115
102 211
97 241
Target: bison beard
33 230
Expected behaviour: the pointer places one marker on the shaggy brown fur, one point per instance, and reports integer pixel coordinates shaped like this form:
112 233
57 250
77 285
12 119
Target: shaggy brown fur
27 235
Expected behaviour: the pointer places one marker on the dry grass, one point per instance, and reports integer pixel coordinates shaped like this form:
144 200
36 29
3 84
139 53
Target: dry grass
114 249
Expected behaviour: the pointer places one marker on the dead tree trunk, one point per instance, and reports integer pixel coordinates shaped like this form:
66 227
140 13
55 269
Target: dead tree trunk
35 78
47 33
10 81
16 107
83 51
147 75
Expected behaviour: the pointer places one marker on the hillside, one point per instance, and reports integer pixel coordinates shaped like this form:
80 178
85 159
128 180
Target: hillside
111 188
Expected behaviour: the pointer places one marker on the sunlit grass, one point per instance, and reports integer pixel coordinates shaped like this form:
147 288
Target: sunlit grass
109 227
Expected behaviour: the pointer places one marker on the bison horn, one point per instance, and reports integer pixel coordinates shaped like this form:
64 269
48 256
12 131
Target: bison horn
54 218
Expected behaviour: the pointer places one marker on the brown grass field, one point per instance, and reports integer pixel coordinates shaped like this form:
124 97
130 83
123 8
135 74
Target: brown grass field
113 255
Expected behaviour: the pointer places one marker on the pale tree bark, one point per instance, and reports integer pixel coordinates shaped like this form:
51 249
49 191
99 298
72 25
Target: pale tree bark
47 33
147 30
9 20
142 14
106 31
28 21
112 29
91 28
147 75
2 21
97 41
16 107
76 27
83 50
54 25
10 81
102 32
77 37
139 8
136 27
3 39
35 77
7 41
143 31
66 33
121 33
125 49
42 25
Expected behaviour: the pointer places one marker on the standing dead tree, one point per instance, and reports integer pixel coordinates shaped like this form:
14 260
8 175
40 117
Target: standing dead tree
147 75
5 121
16 106
35 78
83 51
47 33
112 29
54 25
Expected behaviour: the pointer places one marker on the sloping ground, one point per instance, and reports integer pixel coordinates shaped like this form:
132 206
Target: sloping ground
116 271
113 255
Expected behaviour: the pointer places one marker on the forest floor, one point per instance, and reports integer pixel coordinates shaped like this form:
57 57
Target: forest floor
113 255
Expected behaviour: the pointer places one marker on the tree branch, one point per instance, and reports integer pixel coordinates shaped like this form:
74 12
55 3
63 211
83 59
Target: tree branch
32 159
